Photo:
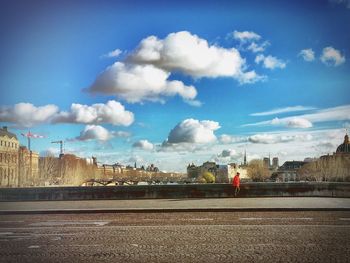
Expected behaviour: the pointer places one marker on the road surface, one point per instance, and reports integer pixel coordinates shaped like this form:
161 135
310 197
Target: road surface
304 236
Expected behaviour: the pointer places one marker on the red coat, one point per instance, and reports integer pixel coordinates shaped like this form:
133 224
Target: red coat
236 181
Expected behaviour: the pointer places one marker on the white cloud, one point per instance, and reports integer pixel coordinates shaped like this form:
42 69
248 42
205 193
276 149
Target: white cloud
340 113
228 156
332 57
97 132
112 112
283 110
191 134
137 83
245 36
254 47
144 74
307 54
270 62
94 132
299 123
251 77
271 138
185 52
113 54
144 145
26 114
194 103
194 131
229 139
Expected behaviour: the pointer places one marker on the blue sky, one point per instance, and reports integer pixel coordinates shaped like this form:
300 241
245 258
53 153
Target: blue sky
188 81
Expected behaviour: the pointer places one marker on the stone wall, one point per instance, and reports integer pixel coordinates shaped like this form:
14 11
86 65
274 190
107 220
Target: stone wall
176 191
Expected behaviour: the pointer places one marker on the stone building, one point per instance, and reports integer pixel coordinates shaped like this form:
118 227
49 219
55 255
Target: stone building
288 171
223 172
8 158
18 166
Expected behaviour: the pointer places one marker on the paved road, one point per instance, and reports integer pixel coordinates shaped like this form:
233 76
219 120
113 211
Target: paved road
177 237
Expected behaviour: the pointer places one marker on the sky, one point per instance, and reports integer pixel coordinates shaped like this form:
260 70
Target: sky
177 82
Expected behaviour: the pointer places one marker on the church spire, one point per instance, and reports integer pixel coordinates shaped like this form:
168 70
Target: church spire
245 158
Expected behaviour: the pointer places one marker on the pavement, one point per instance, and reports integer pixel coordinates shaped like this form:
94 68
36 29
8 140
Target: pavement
298 236
178 205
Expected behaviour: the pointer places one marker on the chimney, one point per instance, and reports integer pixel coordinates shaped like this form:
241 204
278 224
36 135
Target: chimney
4 128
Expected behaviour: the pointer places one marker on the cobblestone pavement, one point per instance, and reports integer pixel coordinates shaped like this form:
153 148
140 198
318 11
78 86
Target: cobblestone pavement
177 237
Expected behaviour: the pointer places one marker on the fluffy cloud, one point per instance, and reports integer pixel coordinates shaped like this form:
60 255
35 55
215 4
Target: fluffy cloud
191 135
144 145
254 47
113 54
97 132
94 132
193 131
250 77
228 156
136 83
307 54
245 36
144 74
332 57
283 110
112 112
270 62
189 54
299 123
27 115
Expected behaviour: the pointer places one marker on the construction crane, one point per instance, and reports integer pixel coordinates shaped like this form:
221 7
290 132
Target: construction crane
30 135
61 146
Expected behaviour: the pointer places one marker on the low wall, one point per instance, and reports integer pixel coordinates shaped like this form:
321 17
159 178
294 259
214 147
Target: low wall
176 191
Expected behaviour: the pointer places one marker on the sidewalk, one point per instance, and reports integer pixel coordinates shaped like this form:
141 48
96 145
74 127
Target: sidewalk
179 205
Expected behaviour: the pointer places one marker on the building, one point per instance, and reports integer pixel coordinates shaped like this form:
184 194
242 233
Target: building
9 146
226 172
344 148
288 171
271 166
18 166
223 172
266 162
275 163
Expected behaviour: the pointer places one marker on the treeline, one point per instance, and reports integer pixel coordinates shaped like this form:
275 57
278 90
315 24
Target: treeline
332 168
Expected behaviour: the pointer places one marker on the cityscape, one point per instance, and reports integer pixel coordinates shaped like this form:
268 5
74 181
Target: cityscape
174 131
22 167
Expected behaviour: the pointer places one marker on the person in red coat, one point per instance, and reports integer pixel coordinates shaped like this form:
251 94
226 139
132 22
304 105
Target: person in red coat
236 183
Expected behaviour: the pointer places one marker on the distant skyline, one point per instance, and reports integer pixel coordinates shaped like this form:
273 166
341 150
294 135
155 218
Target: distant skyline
171 83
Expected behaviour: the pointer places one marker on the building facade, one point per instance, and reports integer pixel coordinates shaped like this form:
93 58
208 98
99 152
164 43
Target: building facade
223 172
8 158
18 166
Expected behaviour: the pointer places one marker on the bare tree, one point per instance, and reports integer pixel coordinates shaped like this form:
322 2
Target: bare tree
257 171
327 168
